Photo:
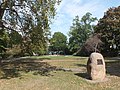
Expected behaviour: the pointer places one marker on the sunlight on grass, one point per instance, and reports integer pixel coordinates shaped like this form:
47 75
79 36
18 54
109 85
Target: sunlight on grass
64 80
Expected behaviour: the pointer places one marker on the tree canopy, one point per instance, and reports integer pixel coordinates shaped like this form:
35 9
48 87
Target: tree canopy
15 13
80 31
58 42
109 27
24 17
92 44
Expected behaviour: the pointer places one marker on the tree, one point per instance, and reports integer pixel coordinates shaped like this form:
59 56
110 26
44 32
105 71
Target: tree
15 38
4 39
23 16
80 31
92 44
39 41
109 27
58 42
18 12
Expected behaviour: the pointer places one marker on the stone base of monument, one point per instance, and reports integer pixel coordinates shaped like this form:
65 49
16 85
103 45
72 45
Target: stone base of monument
107 79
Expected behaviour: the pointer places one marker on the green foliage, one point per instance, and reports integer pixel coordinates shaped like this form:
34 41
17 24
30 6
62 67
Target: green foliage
58 42
21 11
15 38
74 33
109 27
27 22
39 41
80 31
3 42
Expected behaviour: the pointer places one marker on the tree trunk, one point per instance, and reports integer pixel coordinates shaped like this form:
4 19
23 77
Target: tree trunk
2 10
1 15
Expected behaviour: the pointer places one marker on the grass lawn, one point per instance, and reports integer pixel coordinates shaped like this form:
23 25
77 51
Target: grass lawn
72 78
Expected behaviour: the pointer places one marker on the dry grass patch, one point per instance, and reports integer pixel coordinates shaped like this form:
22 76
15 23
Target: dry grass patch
63 80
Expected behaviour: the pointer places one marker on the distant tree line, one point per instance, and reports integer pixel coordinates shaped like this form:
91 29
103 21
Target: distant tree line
85 37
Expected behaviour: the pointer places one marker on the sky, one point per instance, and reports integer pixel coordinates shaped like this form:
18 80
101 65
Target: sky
68 9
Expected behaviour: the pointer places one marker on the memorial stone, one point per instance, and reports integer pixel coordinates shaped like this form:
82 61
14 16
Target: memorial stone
96 67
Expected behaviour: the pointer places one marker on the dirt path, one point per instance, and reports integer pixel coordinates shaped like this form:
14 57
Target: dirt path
58 60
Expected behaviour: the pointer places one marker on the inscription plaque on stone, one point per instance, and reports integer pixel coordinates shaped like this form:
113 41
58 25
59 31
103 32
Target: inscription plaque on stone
99 62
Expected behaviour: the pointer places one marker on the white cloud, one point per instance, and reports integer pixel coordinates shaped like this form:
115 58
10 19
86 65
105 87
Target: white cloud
75 7
68 9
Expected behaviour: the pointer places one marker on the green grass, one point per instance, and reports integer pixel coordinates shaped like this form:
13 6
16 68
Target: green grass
64 80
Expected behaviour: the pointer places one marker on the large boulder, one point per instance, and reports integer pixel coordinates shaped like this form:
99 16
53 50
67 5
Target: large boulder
96 67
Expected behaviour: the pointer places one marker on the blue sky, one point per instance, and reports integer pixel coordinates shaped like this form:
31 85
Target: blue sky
68 9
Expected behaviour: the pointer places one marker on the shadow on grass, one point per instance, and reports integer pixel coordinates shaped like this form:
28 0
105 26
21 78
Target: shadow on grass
81 65
113 66
12 68
83 75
